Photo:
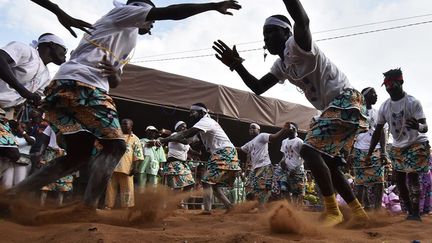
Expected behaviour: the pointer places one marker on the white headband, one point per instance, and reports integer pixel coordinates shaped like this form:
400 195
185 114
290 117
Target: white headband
178 124
255 125
364 93
277 22
47 39
198 108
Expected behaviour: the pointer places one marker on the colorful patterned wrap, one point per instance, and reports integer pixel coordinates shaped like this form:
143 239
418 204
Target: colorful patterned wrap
72 106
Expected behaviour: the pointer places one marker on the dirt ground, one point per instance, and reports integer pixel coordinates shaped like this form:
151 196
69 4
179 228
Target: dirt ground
161 222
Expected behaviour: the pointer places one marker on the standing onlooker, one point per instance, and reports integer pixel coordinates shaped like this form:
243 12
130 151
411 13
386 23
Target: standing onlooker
154 154
123 173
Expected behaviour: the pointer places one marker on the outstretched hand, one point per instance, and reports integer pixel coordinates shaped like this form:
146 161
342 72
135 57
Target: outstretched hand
68 22
225 54
222 7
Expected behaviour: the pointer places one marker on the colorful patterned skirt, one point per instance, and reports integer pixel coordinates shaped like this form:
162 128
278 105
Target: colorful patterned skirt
61 185
72 106
260 179
7 139
296 180
367 174
338 125
222 168
414 158
178 174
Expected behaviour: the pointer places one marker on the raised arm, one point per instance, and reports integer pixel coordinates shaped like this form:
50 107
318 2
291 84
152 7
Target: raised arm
281 134
66 20
182 11
302 34
231 58
181 136
7 76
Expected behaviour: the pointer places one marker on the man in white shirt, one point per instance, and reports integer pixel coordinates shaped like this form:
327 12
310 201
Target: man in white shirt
409 152
23 76
222 166
260 179
304 65
293 165
77 101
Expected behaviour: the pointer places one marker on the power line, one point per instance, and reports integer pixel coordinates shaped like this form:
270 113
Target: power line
324 39
318 32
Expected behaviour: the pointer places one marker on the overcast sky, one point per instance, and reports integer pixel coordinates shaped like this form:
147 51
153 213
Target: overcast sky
363 58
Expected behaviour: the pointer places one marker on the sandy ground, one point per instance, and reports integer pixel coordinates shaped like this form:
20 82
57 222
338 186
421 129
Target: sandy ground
160 222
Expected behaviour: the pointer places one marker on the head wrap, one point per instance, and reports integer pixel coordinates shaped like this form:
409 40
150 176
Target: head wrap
255 125
198 108
178 124
366 91
389 80
151 128
277 22
47 39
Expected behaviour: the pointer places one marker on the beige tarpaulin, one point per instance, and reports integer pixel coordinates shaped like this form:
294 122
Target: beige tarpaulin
147 85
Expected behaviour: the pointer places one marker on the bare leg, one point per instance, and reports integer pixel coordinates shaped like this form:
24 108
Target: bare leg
360 193
221 196
378 190
207 197
102 168
319 170
414 194
43 198
403 190
79 147
60 198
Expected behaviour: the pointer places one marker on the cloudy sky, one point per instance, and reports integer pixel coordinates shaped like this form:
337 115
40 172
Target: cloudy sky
174 45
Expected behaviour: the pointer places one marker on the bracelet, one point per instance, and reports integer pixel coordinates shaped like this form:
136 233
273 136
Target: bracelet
238 61
422 128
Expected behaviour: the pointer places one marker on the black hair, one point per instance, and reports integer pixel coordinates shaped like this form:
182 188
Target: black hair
142 1
295 125
129 120
393 73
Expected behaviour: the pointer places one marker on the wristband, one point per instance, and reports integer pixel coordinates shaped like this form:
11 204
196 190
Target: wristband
422 128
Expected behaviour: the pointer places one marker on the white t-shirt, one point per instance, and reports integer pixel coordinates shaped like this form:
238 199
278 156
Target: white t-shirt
396 113
29 70
319 79
23 146
363 139
116 32
178 150
291 150
257 149
53 137
212 135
